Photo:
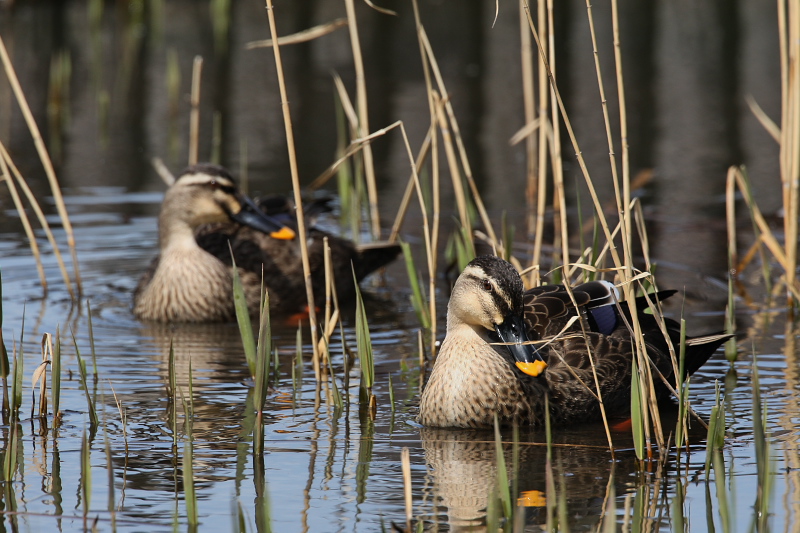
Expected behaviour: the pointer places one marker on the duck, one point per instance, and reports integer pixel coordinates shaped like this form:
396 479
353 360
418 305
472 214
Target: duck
506 349
206 225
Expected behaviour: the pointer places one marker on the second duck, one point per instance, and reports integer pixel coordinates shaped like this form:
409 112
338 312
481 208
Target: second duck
203 218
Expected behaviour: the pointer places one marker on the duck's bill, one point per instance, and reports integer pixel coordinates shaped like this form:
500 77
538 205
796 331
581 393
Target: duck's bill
251 215
525 354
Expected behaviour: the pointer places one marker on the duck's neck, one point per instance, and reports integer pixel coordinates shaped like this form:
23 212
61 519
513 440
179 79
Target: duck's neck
175 234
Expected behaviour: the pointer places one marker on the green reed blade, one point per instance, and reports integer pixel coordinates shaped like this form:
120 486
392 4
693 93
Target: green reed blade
55 380
391 394
189 495
677 510
731 353
610 512
262 374
502 473
365 448
16 384
262 504
716 431
722 494
765 475
364 345
10 453
239 520
91 341
637 418
418 297
188 407
172 380
243 318
94 421
263 352
86 475
297 371
683 392
220 22
5 367
112 499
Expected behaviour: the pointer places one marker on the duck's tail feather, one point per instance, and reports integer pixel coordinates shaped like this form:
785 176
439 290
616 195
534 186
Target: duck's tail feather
374 255
700 349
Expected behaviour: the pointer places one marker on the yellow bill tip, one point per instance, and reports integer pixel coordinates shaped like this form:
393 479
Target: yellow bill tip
284 234
532 369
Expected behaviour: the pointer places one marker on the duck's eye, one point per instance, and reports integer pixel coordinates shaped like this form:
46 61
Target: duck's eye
486 285
213 184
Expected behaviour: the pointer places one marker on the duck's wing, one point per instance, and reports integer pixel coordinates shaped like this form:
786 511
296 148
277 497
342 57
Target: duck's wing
548 308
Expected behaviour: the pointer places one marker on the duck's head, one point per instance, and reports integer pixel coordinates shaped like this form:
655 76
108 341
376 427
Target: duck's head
488 296
206 193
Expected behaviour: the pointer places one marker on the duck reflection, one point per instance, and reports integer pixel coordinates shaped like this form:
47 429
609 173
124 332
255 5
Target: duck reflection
462 466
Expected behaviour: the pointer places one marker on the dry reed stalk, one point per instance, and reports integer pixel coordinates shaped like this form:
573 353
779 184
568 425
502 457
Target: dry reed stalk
766 235
407 194
624 207
452 162
331 303
456 132
789 29
730 217
529 110
298 200
773 129
436 204
23 216
559 198
46 163
7 164
363 119
405 462
544 99
302 36
194 114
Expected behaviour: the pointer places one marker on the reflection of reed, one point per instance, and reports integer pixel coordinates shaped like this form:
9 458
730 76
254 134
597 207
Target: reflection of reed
789 410
463 469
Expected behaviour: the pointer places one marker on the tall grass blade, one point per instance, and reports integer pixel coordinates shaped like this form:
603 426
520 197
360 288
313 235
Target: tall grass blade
716 431
418 298
262 503
502 486
683 394
243 319
112 499
11 452
637 417
5 367
91 341
189 494
16 384
264 350
364 343
94 421
86 476
763 455
55 380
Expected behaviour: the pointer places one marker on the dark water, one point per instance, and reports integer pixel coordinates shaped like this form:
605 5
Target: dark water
688 68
